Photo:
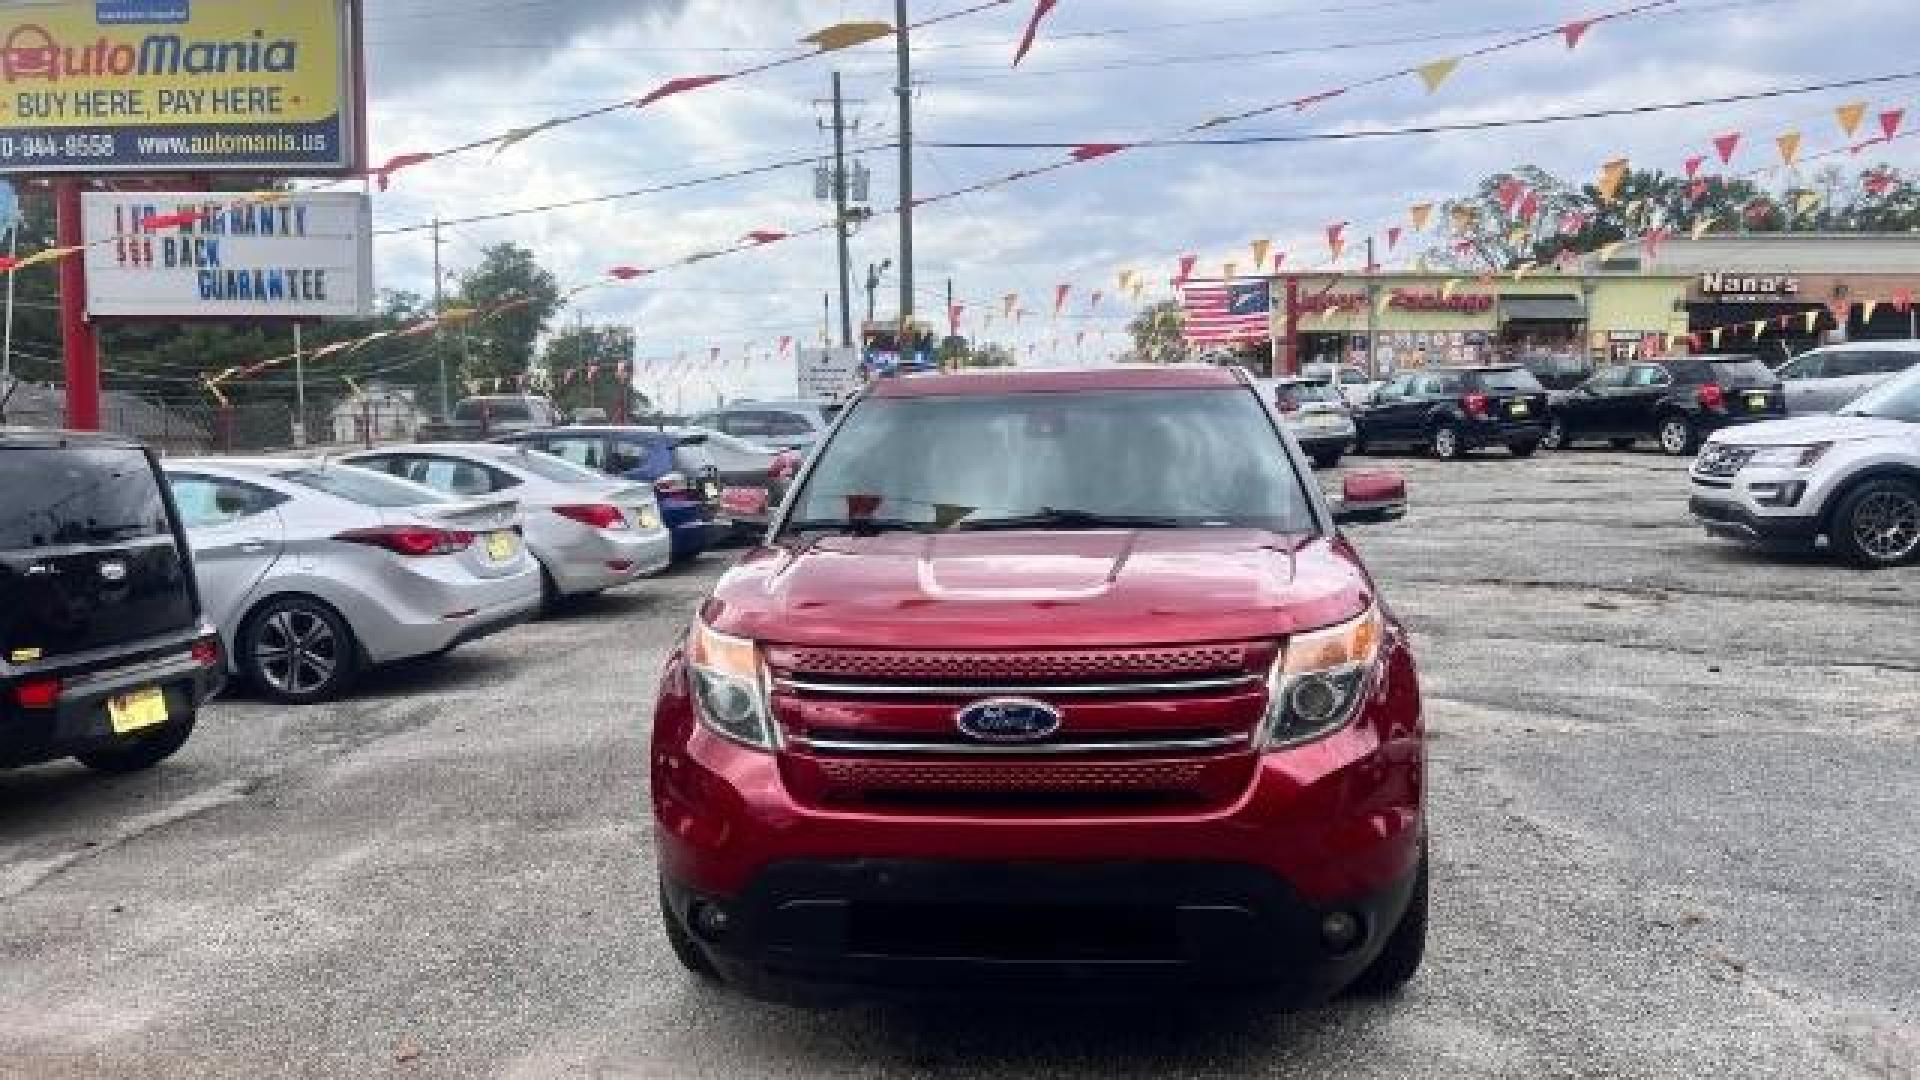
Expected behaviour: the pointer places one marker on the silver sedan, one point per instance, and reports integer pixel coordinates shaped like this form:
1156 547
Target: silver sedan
315 571
589 533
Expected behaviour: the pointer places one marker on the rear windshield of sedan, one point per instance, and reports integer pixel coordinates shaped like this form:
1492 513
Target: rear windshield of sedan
1303 393
364 486
557 469
1517 379
1177 458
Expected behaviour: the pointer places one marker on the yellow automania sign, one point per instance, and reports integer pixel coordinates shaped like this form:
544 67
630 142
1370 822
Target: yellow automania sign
175 85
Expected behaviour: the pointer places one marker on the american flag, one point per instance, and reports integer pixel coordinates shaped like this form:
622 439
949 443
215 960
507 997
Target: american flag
1226 312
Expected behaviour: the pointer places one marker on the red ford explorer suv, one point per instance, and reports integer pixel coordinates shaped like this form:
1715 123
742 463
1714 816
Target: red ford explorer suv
1043 677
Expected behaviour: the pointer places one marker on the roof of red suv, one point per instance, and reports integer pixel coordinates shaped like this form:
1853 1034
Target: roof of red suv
972 383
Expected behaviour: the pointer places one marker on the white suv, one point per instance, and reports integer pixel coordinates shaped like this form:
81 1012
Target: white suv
1853 478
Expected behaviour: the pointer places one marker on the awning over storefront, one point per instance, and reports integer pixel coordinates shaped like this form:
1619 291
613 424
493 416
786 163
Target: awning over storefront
1542 309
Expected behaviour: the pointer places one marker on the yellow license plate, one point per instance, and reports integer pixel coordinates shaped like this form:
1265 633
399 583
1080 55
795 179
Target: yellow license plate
137 711
502 546
648 519
1518 408
1756 401
713 491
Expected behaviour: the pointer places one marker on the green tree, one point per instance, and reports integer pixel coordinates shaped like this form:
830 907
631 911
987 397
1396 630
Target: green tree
579 350
502 345
1159 334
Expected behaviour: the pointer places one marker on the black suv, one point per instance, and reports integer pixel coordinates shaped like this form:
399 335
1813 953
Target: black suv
1678 402
104 654
1451 411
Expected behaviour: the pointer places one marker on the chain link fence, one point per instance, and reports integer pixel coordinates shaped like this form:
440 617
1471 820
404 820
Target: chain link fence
199 426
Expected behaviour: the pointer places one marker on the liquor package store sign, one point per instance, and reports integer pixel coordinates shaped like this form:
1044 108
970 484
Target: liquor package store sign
308 256
177 86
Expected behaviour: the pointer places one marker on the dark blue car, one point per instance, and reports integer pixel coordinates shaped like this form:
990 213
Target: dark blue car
677 464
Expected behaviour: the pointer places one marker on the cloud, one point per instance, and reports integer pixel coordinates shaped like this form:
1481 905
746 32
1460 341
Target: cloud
414 47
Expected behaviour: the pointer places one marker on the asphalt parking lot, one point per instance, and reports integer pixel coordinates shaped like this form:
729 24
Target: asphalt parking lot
1675 800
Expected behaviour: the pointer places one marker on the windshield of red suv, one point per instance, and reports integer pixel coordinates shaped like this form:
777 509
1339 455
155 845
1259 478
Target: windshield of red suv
1106 459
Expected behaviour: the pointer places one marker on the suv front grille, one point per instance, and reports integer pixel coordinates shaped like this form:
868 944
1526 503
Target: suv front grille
1140 726
1723 460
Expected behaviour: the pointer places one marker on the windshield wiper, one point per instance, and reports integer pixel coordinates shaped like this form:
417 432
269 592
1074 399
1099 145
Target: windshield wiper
1049 518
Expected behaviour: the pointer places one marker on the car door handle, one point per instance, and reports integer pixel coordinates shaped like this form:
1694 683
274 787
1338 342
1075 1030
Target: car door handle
253 547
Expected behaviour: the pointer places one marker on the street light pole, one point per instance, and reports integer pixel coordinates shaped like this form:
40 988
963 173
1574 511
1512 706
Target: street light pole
905 91
439 308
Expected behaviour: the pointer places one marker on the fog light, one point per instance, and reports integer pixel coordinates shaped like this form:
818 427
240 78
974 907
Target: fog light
1341 931
710 921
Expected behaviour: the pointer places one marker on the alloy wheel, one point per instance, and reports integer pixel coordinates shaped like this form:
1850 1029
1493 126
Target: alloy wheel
297 652
1886 525
1674 436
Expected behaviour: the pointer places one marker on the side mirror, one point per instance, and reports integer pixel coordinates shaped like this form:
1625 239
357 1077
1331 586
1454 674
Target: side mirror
1371 498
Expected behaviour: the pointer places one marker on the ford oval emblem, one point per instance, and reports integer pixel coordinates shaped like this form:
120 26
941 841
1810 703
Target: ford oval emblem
1008 720
113 570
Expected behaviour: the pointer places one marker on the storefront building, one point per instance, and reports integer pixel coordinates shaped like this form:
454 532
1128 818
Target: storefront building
1392 322
1865 280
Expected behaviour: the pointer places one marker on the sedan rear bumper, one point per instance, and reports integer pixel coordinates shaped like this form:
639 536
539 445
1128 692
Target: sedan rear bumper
431 616
606 559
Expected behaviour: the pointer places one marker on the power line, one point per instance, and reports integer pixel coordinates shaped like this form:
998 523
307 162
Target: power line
1436 129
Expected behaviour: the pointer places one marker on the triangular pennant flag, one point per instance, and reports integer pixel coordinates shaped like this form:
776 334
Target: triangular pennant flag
1652 241
1850 116
1009 302
766 236
520 135
1903 299
1700 228
1419 213
1436 72
1813 319
1040 12
1520 272
1789 145
384 174
627 273
1393 237
1089 151
1260 250
1607 251
1230 269
1447 288
1890 122
1093 302
1060 294
678 86
1508 194
1696 190
786 341
1335 240
1866 311
1279 260
1612 174
1725 145
1759 328
1714 335
1186 267
1126 279
1576 30
847 35
1530 206
1878 182
1806 201
1693 166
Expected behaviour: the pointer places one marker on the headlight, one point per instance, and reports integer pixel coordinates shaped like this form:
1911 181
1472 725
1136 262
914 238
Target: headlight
1789 457
1318 681
729 687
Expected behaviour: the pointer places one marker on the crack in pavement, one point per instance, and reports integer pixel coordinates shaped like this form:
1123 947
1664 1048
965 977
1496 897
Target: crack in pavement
22 878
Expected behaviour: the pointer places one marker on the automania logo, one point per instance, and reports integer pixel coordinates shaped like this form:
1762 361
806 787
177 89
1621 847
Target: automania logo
31 52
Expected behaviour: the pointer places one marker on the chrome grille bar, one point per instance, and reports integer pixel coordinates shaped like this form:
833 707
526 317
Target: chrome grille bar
884 746
924 690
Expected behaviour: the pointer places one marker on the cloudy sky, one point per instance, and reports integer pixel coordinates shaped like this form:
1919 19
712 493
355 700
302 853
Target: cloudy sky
446 71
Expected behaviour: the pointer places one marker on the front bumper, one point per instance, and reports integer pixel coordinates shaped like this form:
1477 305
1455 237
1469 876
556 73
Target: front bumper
1741 519
827 930
1335 824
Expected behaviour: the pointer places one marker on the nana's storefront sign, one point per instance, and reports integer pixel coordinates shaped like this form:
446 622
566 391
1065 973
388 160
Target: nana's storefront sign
1725 288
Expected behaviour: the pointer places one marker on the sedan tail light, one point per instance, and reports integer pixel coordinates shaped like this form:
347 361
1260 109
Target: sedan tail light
206 652
1476 405
786 466
673 484
411 541
1712 396
597 515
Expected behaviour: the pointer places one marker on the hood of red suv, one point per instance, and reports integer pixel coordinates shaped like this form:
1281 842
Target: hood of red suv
1009 590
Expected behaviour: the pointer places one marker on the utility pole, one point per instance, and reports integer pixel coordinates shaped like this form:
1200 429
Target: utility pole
952 329
439 306
299 390
840 213
905 91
